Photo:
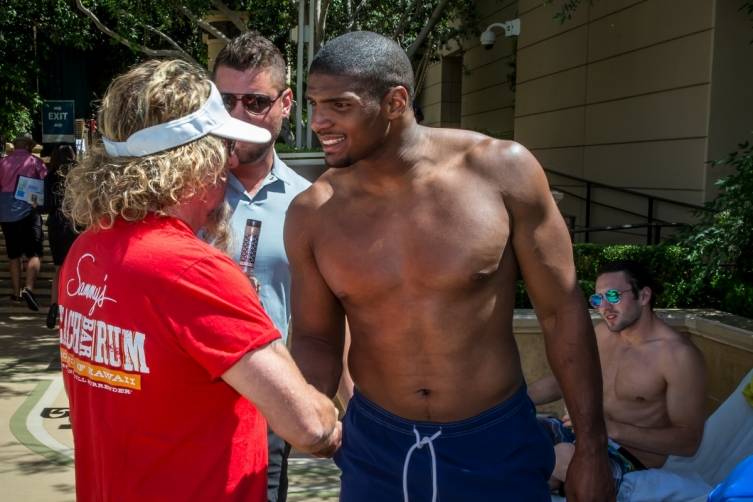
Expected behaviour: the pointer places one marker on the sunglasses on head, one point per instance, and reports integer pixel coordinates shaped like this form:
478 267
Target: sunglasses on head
258 104
613 296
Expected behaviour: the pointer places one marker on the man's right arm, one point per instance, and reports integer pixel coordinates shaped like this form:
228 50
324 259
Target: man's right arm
318 335
305 418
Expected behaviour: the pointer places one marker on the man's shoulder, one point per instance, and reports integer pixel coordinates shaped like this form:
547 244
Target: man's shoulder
159 240
676 349
315 195
13 159
476 145
473 145
503 162
306 208
667 333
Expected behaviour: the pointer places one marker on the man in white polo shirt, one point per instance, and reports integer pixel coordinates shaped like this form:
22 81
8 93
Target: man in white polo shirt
250 74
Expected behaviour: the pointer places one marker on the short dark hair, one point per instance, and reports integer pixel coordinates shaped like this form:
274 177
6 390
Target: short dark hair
24 141
375 61
250 50
637 275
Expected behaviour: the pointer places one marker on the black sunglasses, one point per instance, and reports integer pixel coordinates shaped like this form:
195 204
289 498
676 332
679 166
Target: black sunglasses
258 104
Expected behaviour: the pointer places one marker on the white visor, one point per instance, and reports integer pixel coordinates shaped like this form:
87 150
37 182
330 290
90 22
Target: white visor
211 118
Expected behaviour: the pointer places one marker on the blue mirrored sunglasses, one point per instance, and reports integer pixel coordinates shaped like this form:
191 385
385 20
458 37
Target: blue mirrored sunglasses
613 296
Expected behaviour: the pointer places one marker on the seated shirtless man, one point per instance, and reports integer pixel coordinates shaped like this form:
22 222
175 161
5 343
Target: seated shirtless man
417 235
654 379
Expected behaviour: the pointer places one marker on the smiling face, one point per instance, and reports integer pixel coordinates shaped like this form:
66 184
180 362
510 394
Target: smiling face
255 81
624 314
350 124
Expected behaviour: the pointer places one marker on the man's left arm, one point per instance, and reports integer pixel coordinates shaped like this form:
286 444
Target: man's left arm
544 252
685 374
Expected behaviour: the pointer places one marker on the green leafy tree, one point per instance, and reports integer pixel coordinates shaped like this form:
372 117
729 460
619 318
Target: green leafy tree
174 29
719 245
119 32
422 27
27 31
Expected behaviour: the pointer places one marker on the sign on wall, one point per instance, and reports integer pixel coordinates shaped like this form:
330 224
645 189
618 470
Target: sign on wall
58 119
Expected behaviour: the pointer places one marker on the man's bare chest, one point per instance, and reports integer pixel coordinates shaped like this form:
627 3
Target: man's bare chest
633 377
436 241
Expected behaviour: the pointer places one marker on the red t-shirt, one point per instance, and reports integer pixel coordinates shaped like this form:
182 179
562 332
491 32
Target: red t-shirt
151 317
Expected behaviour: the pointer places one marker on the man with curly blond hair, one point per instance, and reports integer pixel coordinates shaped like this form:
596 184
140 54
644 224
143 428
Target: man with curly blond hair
168 359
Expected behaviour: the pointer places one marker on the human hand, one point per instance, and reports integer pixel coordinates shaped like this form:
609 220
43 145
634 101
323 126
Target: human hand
333 442
589 478
567 421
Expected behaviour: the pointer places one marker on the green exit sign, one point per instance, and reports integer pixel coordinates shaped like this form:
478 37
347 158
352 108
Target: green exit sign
58 119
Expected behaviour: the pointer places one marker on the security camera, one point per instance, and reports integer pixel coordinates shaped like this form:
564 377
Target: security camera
488 38
511 29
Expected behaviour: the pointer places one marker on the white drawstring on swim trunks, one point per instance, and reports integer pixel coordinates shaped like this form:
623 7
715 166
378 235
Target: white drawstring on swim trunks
420 443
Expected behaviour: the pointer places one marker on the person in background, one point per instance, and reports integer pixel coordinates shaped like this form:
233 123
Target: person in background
60 231
20 221
250 74
654 379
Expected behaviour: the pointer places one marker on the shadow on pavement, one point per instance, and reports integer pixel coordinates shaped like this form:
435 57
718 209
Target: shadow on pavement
312 480
27 462
27 348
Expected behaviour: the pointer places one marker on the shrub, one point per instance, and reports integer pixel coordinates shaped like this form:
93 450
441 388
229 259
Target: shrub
720 243
675 273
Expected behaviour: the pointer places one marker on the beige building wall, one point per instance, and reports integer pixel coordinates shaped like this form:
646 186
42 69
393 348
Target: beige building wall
429 97
477 82
731 110
619 95
639 94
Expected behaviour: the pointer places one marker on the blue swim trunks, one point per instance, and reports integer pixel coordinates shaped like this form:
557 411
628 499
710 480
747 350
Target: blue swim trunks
621 461
502 454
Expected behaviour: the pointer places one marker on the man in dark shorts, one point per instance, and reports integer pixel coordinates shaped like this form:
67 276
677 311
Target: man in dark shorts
417 234
21 223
